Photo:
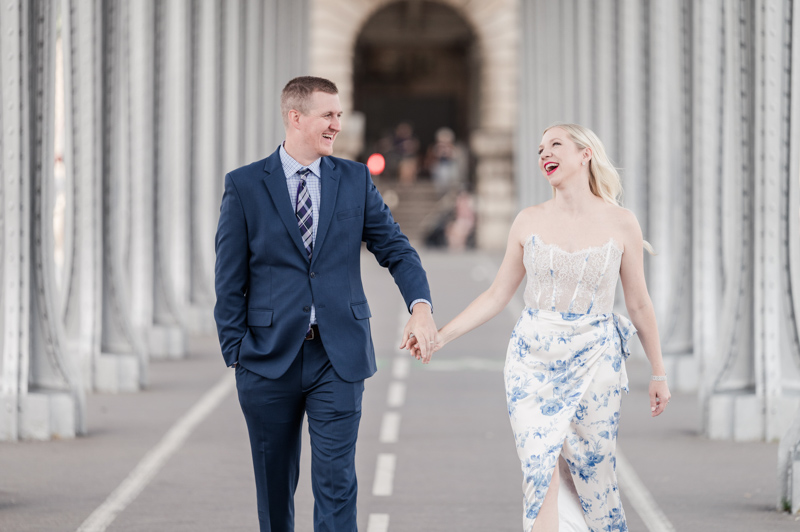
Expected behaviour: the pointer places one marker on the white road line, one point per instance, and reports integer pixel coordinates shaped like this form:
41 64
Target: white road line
390 427
397 394
384 475
467 364
641 499
155 459
400 367
378 523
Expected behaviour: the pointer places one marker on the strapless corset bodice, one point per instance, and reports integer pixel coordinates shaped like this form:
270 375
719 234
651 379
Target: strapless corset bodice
581 282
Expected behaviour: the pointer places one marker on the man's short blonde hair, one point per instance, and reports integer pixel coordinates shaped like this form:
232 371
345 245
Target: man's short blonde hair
297 94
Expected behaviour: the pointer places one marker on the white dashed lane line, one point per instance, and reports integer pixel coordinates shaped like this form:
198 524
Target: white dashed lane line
401 366
378 523
397 394
390 427
384 475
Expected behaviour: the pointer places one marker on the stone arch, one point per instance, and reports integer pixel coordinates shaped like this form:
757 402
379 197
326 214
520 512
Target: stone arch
336 24
334 30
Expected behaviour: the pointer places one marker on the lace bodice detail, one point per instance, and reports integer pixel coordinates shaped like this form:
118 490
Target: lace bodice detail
581 282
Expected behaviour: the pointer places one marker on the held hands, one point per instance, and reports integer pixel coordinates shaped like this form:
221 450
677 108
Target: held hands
414 347
419 335
659 397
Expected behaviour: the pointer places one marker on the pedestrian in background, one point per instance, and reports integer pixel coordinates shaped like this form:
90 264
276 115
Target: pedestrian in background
447 162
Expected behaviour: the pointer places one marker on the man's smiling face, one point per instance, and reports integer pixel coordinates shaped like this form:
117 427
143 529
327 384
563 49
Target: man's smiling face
318 128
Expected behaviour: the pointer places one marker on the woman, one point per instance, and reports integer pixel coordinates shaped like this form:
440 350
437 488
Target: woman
564 369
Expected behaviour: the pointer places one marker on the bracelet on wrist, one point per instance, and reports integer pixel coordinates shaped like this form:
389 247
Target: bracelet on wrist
658 377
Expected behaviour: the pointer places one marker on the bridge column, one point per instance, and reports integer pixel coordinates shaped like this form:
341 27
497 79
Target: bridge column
42 390
667 219
777 236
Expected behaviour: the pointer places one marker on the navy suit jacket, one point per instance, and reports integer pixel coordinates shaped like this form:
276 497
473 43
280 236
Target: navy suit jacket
265 283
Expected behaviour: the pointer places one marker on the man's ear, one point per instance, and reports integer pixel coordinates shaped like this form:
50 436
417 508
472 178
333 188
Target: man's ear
294 118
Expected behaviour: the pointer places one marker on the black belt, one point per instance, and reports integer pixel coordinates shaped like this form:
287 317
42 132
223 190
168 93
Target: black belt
313 332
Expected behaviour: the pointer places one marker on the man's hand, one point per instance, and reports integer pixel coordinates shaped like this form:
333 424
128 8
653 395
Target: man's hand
413 346
422 329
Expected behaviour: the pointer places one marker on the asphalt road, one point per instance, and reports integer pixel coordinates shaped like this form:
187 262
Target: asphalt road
435 450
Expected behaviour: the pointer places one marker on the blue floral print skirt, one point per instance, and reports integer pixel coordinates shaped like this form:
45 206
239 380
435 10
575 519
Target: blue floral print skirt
564 375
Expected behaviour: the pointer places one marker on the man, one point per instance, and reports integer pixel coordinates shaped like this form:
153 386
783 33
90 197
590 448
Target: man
291 312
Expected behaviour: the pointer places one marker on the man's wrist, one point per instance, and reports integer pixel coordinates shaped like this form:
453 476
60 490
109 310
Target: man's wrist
427 306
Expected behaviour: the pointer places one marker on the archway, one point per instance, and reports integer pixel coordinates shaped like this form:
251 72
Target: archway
336 26
414 68
416 62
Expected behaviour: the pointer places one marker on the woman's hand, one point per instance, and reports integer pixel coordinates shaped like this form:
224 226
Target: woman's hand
659 397
413 347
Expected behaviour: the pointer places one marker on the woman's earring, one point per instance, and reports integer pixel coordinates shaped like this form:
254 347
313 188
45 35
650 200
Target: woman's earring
583 163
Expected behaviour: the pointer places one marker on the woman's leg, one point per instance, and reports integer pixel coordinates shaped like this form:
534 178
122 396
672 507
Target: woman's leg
590 452
547 520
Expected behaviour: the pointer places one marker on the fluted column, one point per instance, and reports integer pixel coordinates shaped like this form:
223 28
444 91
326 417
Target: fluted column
707 126
732 409
82 281
141 265
42 390
14 230
531 187
667 221
207 135
122 362
632 97
172 110
604 78
777 237
789 451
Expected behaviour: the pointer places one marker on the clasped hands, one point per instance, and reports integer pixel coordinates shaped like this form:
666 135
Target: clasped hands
420 336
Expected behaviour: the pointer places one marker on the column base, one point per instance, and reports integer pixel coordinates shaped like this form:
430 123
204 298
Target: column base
167 342
116 373
735 416
200 320
9 421
789 468
46 415
682 371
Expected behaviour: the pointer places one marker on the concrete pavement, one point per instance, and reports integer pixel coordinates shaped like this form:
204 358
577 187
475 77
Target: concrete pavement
435 453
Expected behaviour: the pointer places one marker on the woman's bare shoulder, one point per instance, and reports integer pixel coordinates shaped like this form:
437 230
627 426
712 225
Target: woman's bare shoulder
527 220
621 216
626 223
533 212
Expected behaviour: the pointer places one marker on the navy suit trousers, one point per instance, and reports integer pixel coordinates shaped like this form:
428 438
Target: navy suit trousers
274 410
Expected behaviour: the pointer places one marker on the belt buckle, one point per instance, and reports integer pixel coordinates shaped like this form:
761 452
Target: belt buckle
310 334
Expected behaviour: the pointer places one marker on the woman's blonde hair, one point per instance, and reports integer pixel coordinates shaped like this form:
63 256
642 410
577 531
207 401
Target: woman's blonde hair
604 180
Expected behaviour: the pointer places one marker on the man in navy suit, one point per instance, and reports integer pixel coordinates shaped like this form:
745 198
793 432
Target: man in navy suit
291 312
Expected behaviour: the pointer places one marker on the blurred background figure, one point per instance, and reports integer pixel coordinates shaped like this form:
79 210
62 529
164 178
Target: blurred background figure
447 162
406 150
460 231
452 225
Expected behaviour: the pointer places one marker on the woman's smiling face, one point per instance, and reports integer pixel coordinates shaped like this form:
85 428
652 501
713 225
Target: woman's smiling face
559 156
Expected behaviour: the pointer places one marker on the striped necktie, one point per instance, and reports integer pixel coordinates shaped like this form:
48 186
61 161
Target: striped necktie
305 218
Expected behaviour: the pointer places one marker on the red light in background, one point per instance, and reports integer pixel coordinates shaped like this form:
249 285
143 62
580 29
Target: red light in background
376 164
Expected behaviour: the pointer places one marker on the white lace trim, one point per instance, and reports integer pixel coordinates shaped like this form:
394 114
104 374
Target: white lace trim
582 281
